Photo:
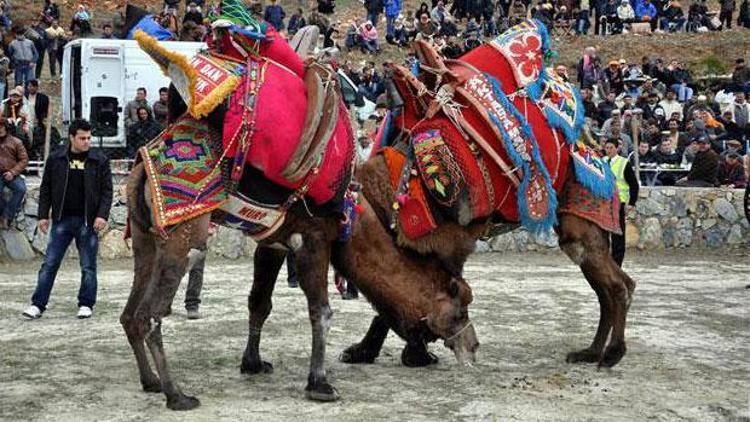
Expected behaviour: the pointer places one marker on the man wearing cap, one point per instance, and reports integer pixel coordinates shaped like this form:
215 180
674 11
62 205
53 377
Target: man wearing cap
16 110
704 168
23 55
652 109
614 78
627 190
731 172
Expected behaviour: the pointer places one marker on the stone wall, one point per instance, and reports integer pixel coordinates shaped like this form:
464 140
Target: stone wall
664 218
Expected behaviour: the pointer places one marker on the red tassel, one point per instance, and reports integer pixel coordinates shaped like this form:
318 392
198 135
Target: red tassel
359 208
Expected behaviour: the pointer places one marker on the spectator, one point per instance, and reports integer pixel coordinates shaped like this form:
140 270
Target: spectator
76 193
4 69
296 22
589 69
160 107
55 41
645 155
374 9
732 146
423 9
678 139
193 14
13 160
646 12
410 26
275 15
627 186
673 18
733 131
740 112
608 21
678 80
142 132
704 168
625 14
614 78
400 36
23 55
38 106
326 7
743 19
168 20
16 112
726 12
698 15
452 49
731 172
582 22
131 109
353 37
51 12
605 108
667 155
369 38
81 21
652 109
741 73
392 10
589 108
624 141
38 36
670 105
107 33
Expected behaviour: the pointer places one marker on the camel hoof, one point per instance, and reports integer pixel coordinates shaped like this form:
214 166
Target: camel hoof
321 392
613 355
415 358
356 354
151 387
261 367
183 403
583 356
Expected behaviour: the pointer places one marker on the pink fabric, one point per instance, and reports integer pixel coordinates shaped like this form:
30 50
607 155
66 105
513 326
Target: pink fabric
279 118
276 49
369 34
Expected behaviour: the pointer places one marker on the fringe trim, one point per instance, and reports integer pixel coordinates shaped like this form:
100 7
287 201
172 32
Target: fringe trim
602 184
534 226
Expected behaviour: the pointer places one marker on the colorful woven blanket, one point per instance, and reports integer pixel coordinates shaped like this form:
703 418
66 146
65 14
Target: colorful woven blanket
183 172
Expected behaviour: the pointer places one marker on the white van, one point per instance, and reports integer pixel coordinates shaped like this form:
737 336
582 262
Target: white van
99 77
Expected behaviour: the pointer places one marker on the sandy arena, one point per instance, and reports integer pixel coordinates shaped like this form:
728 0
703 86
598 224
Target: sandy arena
688 358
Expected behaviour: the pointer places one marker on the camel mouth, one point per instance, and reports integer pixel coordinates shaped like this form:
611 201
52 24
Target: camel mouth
464 345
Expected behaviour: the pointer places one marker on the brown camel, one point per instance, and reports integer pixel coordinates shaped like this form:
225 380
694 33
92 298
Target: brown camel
421 301
583 241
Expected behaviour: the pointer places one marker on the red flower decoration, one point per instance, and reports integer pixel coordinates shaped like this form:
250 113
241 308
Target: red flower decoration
526 51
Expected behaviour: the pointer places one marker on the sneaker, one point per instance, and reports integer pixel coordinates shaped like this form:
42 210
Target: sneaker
84 312
193 314
32 312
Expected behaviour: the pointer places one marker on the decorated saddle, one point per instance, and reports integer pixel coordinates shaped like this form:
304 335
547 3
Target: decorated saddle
492 133
280 115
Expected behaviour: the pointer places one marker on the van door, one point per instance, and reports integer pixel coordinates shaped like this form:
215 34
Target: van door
104 88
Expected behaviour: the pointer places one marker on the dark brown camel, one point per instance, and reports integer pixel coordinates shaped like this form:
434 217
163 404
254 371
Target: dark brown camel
421 301
583 241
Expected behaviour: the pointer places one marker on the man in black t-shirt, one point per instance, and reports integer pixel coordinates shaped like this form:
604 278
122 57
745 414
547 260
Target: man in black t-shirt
76 195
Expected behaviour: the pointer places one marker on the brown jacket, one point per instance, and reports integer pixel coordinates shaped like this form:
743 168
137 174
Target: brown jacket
13 155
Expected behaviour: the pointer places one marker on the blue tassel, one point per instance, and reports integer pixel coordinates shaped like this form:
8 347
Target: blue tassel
602 188
533 226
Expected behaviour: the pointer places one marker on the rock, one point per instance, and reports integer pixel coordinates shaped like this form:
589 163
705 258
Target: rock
228 243
481 247
502 243
118 215
735 236
650 234
632 237
725 210
649 207
702 208
668 192
677 207
521 240
113 246
39 243
684 232
547 239
708 223
716 236
31 206
16 245
30 228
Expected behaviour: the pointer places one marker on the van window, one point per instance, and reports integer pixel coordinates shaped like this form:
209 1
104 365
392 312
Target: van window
104 116
75 70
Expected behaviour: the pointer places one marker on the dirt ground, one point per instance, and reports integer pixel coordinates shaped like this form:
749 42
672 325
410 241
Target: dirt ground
687 358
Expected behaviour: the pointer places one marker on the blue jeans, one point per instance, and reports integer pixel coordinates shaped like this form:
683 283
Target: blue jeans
582 25
23 74
373 17
17 188
63 232
390 26
684 92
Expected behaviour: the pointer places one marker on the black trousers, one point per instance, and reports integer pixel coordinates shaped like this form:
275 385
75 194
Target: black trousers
617 241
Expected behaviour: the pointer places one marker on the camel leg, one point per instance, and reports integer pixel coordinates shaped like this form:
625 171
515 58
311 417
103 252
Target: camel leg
416 355
267 263
586 244
144 248
312 267
369 347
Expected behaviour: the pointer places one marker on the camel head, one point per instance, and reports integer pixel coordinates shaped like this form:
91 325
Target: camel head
449 320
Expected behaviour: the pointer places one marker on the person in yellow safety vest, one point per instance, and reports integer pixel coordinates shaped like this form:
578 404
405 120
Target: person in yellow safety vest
627 189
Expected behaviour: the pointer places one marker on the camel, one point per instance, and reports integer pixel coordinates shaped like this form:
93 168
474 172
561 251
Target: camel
421 300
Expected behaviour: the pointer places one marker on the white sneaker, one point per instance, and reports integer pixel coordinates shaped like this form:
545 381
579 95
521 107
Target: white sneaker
32 312
84 312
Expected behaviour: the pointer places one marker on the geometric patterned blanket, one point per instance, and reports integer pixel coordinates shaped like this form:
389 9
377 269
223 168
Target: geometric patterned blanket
184 175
